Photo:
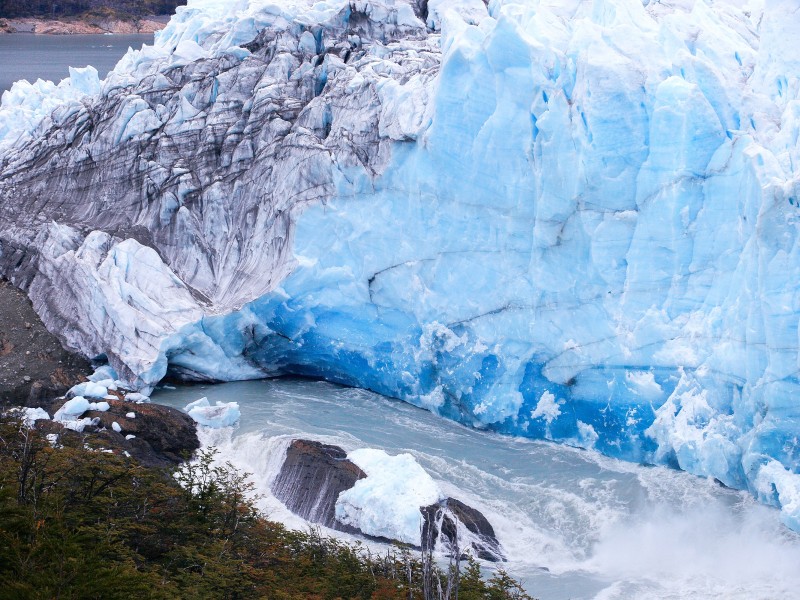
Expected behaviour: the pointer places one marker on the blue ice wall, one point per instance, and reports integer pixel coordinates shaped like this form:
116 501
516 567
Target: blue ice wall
593 239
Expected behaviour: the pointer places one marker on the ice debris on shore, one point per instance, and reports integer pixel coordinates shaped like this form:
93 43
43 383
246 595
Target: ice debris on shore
69 415
28 415
90 389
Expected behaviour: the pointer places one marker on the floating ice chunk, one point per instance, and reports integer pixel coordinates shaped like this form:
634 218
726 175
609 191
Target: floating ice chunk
130 415
386 503
130 436
115 426
224 414
201 403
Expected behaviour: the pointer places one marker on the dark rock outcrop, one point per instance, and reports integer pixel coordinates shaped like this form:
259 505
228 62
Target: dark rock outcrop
441 521
314 474
164 436
34 366
311 479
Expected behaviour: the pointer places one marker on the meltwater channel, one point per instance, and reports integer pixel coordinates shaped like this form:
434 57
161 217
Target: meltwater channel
574 524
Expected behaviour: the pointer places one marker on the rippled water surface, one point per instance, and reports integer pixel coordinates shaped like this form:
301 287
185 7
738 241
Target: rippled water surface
32 57
574 524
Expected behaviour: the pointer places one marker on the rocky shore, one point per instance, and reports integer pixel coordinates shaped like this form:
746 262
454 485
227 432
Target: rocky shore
34 366
36 371
84 26
152 434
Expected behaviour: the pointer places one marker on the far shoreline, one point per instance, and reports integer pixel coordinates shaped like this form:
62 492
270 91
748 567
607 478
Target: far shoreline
84 26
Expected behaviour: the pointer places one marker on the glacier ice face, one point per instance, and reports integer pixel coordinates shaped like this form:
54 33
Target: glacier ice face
27 104
568 220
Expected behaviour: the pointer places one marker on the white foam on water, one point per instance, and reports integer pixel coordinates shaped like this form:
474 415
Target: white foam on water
699 553
261 458
573 523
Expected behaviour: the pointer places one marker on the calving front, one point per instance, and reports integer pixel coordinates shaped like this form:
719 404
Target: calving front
568 220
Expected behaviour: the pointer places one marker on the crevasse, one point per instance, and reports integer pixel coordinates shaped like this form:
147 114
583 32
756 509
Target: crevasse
566 220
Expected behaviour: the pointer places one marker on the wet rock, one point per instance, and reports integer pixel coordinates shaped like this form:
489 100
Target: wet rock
314 474
34 366
311 479
441 523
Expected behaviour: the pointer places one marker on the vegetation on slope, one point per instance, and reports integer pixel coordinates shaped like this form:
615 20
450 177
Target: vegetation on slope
78 522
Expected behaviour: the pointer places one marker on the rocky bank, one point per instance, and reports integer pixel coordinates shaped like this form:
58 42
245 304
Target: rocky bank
34 366
77 25
37 371
154 435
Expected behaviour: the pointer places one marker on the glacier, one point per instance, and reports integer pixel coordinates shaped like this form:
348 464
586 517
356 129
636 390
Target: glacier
574 220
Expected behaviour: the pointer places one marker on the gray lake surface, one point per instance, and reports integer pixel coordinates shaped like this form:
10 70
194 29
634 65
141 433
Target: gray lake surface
32 57
573 523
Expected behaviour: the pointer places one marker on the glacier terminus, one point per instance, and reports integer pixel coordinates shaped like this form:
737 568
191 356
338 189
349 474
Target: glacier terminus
576 220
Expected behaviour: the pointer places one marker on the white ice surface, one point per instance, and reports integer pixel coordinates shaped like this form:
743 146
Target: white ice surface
387 502
31 415
224 414
90 389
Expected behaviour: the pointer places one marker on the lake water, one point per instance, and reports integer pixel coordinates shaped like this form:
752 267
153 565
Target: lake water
31 57
573 523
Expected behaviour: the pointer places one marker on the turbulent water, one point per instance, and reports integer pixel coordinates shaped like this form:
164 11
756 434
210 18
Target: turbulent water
574 524
32 57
